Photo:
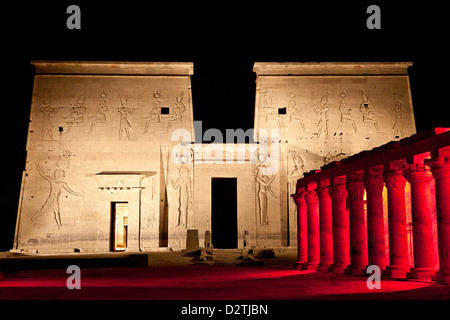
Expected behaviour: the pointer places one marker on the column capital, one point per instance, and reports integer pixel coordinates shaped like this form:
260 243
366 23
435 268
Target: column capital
394 179
337 191
311 197
440 166
417 172
355 189
299 198
373 182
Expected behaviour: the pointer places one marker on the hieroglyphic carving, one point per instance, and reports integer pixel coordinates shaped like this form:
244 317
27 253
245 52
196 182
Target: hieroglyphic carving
263 188
397 109
125 124
177 112
297 172
184 184
51 205
270 111
78 110
47 124
100 115
368 112
292 111
345 111
322 111
64 159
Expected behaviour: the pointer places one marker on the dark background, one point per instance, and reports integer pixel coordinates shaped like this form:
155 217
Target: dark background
223 39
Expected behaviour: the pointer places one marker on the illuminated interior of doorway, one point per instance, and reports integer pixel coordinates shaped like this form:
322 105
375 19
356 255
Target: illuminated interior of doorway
119 226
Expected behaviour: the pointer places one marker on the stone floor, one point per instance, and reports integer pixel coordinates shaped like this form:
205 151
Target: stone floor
173 276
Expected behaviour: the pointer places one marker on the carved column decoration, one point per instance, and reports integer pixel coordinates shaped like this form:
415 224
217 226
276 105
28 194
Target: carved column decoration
302 235
398 243
440 168
420 177
312 201
341 244
358 238
326 226
373 182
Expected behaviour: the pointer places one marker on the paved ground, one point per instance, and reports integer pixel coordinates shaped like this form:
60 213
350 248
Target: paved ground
171 276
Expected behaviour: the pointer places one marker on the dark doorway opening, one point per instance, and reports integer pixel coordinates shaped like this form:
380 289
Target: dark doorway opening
224 230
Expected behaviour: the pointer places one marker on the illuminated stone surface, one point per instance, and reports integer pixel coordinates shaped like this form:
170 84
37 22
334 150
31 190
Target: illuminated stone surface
100 134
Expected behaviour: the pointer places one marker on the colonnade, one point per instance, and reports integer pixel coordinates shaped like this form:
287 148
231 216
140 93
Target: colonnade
332 231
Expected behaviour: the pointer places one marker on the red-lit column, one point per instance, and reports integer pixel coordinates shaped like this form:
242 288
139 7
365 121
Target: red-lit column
358 238
420 177
373 181
326 227
398 244
341 245
312 201
302 235
440 168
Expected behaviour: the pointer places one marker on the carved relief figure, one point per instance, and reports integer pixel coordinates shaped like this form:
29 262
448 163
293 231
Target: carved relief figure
322 111
177 112
154 116
125 124
78 110
397 109
64 159
51 205
297 172
368 113
293 113
47 123
100 115
270 111
263 189
345 111
184 184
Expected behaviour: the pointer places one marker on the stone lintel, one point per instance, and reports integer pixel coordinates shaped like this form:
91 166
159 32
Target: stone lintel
330 68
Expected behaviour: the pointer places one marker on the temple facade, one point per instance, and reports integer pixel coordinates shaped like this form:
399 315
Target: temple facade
113 164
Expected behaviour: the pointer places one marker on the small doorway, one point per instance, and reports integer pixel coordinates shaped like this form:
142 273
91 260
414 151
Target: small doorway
119 226
224 229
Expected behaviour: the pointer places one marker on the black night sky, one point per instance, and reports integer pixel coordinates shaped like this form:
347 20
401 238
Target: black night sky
223 39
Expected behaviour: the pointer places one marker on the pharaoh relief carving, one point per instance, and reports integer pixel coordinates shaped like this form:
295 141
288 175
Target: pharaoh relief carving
184 186
78 110
263 190
270 111
369 115
155 114
57 183
322 112
397 110
100 115
125 125
297 172
346 116
47 112
293 112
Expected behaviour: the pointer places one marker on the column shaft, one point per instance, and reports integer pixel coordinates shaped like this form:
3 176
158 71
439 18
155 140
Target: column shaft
326 229
312 202
420 177
302 232
398 244
341 245
358 238
440 168
375 221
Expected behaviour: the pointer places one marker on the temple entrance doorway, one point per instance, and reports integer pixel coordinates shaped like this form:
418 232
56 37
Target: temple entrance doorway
224 229
119 226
